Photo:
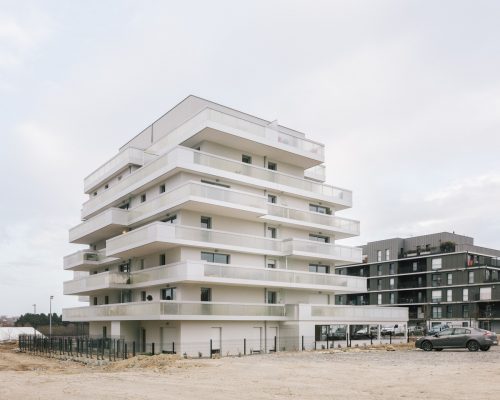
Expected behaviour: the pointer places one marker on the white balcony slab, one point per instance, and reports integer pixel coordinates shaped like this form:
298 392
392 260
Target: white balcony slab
182 158
96 282
108 223
84 260
339 227
173 310
325 251
352 314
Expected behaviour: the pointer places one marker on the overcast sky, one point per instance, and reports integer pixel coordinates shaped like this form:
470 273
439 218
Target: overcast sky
405 95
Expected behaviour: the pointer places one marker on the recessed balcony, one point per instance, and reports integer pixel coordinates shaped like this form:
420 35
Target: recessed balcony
84 260
211 273
182 158
329 224
125 158
96 282
173 310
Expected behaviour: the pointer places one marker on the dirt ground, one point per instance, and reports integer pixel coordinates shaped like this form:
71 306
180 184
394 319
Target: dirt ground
355 374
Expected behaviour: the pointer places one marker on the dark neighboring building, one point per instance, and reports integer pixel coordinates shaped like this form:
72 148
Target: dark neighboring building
441 278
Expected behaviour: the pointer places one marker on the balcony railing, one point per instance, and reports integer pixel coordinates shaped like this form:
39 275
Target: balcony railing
105 280
317 173
128 156
184 157
87 258
341 224
176 310
360 313
159 232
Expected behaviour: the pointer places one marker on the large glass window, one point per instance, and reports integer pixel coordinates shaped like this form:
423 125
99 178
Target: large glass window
449 295
471 276
379 298
387 254
392 269
391 298
379 284
391 283
449 278
379 255
485 293
437 312
271 232
449 311
215 257
168 293
323 269
206 222
271 198
319 238
465 311
246 159
436 296
272 297
436 263
205 294
436 280
319 209
379 270
465 294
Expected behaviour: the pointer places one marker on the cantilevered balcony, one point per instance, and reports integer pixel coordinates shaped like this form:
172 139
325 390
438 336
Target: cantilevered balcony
125 158
317 173
328 224
191 195
366 314
95 282
108 223
220 274
158 235
182 158
174 310
84 260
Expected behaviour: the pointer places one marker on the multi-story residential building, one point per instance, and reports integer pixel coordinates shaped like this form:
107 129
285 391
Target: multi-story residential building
214 224
441 278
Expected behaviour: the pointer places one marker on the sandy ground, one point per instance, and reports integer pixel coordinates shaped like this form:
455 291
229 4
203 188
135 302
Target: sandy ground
354 374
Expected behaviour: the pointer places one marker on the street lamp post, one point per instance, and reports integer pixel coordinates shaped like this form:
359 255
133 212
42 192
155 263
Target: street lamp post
34 308
50 317
34 313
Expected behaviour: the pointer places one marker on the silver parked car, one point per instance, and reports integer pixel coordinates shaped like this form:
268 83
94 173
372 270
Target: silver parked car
471 338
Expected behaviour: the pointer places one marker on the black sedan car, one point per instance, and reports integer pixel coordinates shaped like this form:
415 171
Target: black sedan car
453 338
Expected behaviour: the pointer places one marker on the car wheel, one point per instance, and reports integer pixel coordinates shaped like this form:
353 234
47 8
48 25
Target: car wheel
426 346
473 345
485 348
438 349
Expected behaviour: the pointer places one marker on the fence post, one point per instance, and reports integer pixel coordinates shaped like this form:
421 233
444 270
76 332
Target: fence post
210 348
245 347
275 344
173 347
303 343
408 336
133 348
390 337
153 349
125 352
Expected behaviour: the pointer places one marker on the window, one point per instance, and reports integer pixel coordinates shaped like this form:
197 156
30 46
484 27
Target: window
465 311
487 275
271 198
162 188
143 296
387 254
319 209
168 293
319 238
215 183
379 255
170 220
272 166
215 257
436 263
106 299
163 259
124 268
206 294
391 298
415 266
95 301
379 298
379 270
272 297
471 276
465 294
485 293
143 198
246 159
361 272
271 264
391 283
449 278
95 193
436 280
379 284
125 206
206 222
449 295
449 312
437 312
271 232
392 269
106 186
436 296
322 269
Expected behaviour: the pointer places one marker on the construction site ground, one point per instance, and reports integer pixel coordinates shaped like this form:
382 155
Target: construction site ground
387 372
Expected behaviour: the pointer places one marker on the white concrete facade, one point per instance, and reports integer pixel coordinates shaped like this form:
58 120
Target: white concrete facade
212 224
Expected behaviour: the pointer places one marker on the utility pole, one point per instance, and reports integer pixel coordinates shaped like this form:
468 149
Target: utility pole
50 317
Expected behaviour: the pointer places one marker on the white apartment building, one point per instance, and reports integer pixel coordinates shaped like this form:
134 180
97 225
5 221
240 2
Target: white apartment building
212 224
